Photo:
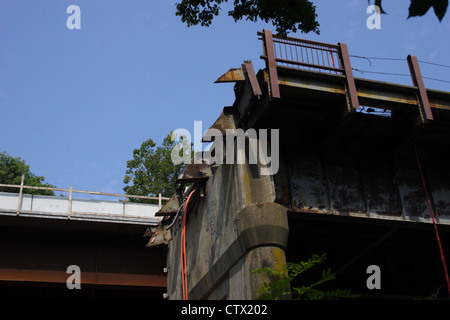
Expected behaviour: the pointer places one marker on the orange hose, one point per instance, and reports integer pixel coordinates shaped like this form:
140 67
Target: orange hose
183 250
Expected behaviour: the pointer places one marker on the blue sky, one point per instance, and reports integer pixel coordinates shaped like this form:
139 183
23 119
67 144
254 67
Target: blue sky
75 103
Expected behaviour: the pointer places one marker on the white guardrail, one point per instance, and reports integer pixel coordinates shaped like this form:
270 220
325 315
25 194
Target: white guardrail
79 209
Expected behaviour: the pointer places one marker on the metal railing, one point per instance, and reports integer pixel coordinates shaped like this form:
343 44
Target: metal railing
306 54
329 58
71 191
301 53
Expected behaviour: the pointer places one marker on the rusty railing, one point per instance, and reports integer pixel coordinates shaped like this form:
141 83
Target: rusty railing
301 53
307 54
329 58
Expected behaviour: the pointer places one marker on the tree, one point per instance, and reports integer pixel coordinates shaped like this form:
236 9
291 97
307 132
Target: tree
152 171
418 8
285 15
281 284
11 171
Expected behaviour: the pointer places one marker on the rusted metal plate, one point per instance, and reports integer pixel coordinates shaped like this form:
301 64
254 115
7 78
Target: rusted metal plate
195 172
171 207
248 67
380 187
92 278
158 236
438 178
371 187
232 75
417 79
308 183
350 81
345 185
312 84
349 184
412 193
271 64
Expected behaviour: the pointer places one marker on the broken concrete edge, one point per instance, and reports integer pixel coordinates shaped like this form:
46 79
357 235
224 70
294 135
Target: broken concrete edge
194 172
171 207
158 236
256 225
162 234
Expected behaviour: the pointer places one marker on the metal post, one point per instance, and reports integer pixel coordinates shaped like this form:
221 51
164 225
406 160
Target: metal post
19 205
271 64
70 202
248 68
417 80
350 81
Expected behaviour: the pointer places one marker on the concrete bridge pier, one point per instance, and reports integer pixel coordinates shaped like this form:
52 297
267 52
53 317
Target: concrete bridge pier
228 236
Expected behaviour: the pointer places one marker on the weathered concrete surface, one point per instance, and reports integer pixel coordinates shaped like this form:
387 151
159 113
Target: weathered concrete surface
234 230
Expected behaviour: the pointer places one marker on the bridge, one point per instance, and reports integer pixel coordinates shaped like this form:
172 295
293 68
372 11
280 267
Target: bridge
41 236
363 177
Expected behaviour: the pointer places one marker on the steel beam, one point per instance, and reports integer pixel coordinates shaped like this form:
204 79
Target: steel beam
91 278
388 94
271 64
416 76
232 75
349 80
248 67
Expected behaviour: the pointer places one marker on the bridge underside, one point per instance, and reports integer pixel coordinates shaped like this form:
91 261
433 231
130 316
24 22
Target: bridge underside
358 185
360 171
113 260
407 254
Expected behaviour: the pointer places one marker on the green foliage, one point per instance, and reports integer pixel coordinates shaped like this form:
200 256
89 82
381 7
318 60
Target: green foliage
281 281
418 8
11 171
285 15
432 296
378 3
152 171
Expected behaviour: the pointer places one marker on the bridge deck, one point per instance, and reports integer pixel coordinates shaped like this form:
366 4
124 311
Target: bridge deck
80 209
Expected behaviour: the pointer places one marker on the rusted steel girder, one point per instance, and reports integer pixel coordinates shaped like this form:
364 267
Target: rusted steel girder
87 278
271 64
349 80
239 74
416 76
232 75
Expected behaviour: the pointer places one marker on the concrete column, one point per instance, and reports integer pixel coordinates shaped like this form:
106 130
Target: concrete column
256 238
